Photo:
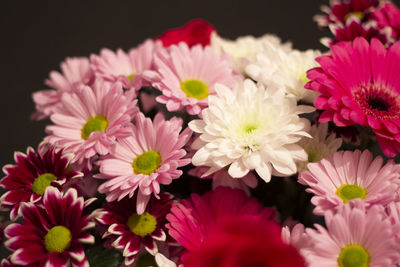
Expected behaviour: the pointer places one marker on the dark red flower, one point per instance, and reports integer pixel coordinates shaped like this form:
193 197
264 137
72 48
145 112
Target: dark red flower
53 234
195 32
244 241
128 231
32 174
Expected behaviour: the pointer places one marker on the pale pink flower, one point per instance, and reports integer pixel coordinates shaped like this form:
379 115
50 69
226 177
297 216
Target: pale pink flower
149 157
74 71
186 76
125 67
91 119
347 175
355 235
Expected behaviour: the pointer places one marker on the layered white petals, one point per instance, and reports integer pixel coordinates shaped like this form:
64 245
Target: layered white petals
250 128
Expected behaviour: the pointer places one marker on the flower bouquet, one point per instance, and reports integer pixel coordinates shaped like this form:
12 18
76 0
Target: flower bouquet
194 150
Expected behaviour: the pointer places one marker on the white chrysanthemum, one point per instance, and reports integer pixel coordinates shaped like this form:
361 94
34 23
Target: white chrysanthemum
250 128
287 69
244 49
319 146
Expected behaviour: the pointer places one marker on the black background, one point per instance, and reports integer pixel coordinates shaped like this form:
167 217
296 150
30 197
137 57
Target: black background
36 36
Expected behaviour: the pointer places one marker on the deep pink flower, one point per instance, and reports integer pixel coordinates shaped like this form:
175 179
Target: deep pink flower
74 71
347 175
359 84
142 162
126 68
195 32
91 119
128 231
27 180
191 220
244 241
52 235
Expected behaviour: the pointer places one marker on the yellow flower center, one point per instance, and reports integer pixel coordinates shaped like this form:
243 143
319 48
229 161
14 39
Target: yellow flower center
142 225
96 124
147 163
357 14
58 239
130 77
348 192
42 182
353 256
195 88
303 78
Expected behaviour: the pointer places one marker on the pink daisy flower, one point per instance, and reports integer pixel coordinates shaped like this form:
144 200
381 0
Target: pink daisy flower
90 120
186 76
347 175
358 85
27 180
128 231
354 237
244 241
144 160
191 220
52 235
75 71
296 236
393 211
126 68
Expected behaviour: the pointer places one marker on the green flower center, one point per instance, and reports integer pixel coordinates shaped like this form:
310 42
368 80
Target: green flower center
357 14
146 260
130 77
142 225
350 191
96 124
58 239
303 78
353 256
249 128
147 163
313 156
42 182
195 88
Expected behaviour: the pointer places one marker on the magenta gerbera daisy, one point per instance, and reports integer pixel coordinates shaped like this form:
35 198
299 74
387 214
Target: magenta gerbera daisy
143 161
348 175
359 85
91 119
244 241
192 219
32 173
354 237
186 76
128 231
52 235
125 67
74 71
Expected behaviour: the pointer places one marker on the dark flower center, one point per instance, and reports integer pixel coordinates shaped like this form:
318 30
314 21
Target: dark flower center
378 101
